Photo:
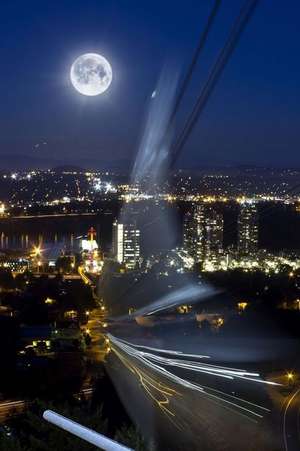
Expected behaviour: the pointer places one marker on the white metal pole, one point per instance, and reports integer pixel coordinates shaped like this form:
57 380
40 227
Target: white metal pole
84 433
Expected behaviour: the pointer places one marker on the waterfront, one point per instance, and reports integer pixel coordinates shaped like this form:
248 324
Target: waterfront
22 234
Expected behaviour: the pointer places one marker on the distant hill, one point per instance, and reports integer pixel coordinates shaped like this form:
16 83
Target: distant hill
13 162
68 168
19 161
22 162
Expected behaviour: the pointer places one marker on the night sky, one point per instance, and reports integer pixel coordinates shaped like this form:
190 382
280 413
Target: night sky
252 118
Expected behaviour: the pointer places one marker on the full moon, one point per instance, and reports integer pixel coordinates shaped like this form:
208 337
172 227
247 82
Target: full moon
91 74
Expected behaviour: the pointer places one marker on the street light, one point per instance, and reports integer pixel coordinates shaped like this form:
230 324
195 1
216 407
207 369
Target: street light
49 301
36 251
242 306
290 377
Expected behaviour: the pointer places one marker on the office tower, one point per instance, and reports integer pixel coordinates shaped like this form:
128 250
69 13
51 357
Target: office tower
212 236
247 229
193 229
190 234
203 233
126 243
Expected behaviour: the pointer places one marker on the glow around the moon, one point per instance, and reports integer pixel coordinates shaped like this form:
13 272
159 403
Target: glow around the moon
91 74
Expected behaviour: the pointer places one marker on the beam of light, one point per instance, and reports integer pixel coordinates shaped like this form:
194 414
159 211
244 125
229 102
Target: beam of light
146 359
189 293
154 148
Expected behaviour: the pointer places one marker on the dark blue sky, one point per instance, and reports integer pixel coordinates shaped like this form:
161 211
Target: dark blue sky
252 117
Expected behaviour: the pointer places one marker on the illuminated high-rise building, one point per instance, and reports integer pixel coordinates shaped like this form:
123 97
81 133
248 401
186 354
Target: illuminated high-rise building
126 244
193 229
190 234
247 229
203 234
212 236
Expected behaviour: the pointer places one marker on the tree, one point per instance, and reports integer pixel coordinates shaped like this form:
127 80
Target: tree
33 433
130 437
64 264
6 279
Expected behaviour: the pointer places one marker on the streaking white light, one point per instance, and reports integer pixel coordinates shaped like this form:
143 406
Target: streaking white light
190 293
158 363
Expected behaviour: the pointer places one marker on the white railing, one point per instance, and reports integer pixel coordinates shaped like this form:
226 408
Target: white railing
84 433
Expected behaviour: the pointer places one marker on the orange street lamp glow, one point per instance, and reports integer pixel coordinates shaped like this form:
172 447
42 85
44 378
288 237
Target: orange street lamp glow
49 301
36 251
242 305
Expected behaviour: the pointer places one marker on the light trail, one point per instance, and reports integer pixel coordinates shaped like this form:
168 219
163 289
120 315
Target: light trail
197 388
165 351
285 435
154 363
201 367
85 279
12 404
8 408
158 392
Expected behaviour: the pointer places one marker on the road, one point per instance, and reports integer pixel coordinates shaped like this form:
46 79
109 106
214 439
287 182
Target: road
96 324
291 422
82 274
11 407
190 401
97 350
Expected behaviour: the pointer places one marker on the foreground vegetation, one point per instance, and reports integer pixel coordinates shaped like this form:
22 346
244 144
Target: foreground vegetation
29 432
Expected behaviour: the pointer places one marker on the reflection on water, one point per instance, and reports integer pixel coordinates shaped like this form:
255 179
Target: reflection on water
26 241
22 234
